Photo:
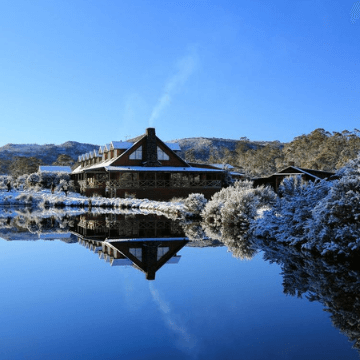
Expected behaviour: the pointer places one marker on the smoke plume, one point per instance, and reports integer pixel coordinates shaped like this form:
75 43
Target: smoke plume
185 67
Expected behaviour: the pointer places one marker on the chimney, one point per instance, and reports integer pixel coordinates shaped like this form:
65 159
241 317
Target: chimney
151 148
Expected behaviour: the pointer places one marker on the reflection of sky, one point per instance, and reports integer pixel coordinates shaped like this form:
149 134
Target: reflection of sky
59 301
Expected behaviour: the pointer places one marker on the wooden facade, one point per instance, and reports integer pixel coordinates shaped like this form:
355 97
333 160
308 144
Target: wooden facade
144 167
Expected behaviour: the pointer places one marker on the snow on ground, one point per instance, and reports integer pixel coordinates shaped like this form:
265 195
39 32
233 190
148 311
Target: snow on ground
45 199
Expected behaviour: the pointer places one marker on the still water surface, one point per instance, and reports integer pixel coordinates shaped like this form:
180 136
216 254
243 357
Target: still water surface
61 300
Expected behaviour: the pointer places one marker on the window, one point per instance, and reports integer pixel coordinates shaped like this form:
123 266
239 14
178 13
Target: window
162 155
137 154
161 251
137 252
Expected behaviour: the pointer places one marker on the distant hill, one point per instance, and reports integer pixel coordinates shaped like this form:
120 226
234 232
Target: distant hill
48 153
204 149
16 159
319 150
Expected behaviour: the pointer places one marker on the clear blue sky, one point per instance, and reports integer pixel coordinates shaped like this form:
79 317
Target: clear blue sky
95 71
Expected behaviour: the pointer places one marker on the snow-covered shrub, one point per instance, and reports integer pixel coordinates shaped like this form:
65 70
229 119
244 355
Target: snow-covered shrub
335 226
237 205
193 230
211 214
4 180
229 213
25 199
288 220
175 200
46 179
21 182
33 179
195 203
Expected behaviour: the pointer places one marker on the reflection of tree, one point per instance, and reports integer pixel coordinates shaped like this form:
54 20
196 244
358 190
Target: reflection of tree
230 213
335 285
234 237
34 224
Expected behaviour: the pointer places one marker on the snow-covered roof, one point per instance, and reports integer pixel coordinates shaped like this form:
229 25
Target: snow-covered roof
66 169
174 260
223 166
121 262
144 239
108 167
301 171
125 145
160 168
121 145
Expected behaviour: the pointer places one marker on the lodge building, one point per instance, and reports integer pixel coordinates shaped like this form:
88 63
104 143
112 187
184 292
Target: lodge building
144 167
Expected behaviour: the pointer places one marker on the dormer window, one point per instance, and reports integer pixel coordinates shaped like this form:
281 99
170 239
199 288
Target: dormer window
137 154
162 155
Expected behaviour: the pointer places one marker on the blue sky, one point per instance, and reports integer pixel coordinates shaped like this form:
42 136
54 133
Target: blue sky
96 71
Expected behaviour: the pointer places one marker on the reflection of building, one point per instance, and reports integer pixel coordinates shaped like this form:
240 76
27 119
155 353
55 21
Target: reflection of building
144 167
146 242
148 255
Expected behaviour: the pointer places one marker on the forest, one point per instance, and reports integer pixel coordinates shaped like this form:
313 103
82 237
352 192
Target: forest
319 150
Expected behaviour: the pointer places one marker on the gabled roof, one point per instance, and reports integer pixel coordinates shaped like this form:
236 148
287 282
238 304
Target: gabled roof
136 139
130 146
317 174
223 166
96 153
66 169
121 145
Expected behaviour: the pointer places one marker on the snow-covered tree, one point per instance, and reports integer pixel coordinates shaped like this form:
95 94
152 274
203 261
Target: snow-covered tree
33 179
230 212
5 180
46 179
288 220
195 203
335 226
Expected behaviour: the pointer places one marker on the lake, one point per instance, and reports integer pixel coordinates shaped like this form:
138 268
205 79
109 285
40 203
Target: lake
110 286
